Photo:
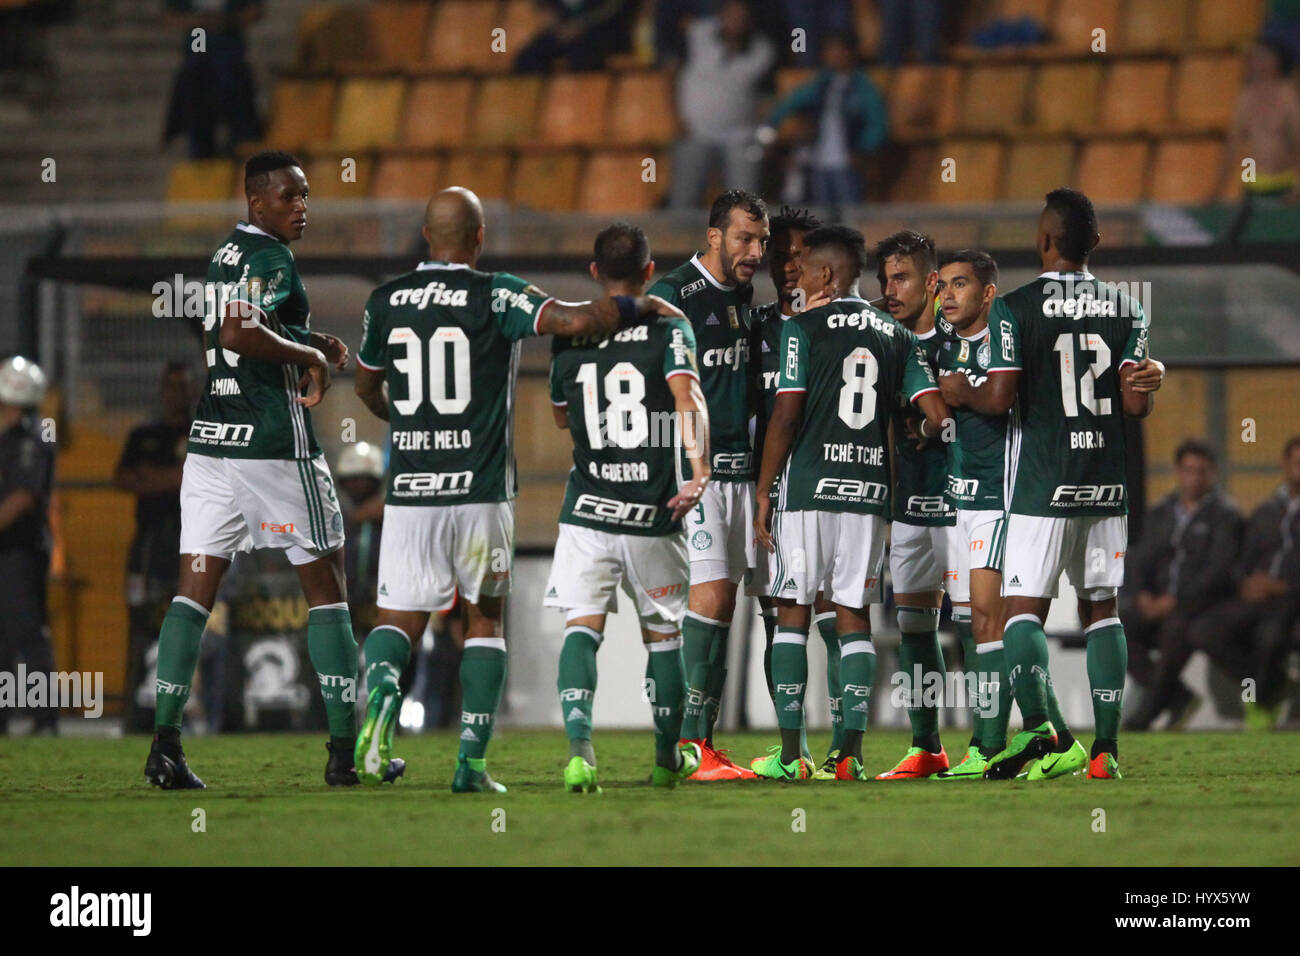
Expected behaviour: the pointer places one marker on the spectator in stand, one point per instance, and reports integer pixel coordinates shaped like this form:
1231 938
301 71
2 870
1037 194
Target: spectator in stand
910 23
1250 635
1182 566
850 121
580 32
772 18
214 85
718 89
1265 129
150 469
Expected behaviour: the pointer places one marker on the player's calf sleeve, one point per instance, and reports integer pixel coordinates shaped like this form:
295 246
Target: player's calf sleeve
482 678
333 652
666 688
919 655
178 655
387 650
790 674
697 642
857 677
995 697
716 679
1025 646
577 680
769 631
1107 664
966 638
826 628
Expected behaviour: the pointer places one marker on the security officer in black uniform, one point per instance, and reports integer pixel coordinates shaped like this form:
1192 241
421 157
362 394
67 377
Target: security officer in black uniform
26 474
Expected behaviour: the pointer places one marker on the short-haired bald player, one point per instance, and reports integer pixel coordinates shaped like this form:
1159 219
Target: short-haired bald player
438 361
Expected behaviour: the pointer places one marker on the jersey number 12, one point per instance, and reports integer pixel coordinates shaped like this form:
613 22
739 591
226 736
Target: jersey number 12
1087 387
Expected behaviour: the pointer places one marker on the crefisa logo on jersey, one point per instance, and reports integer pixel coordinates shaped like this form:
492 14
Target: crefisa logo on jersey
435 293
1076 298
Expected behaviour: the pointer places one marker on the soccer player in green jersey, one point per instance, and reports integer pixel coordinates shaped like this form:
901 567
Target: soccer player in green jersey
438 360
714 289
841 364
1069 359
967 287
920 552
254 476
629 400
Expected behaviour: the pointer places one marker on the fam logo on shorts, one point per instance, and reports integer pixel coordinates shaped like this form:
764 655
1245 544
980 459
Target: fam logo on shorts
664 591
701 540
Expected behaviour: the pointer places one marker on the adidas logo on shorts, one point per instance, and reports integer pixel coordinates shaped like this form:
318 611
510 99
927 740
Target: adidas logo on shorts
552 593
383 590
789 585
1014 582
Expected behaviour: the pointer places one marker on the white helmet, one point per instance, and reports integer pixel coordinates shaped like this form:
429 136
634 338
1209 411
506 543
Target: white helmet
362 460
22 382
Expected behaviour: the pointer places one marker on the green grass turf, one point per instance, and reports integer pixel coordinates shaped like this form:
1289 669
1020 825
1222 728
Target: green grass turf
1205 799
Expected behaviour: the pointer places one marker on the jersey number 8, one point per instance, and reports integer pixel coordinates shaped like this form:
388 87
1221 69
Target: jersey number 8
858 396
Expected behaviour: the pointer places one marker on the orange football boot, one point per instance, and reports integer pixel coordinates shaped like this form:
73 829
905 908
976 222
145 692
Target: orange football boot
716 765
1104 766
917 764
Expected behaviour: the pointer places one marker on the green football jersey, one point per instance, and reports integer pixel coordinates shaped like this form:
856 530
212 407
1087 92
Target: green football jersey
766 340
921 474
622 419
447 339
248 407
719 316
977 459
1068 335
846 356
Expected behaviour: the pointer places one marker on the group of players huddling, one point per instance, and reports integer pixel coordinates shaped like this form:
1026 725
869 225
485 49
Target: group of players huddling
982 435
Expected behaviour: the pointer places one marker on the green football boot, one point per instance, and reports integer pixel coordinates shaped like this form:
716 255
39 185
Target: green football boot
374 750
667 779
827 770
580 776
1058 765
772 768
472 777
1025 746
1104 766
972 768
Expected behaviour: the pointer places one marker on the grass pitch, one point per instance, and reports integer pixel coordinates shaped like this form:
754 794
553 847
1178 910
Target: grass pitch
1187 799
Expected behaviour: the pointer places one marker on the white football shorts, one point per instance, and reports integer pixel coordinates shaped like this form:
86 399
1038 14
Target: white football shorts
590 566
429 552
1090 551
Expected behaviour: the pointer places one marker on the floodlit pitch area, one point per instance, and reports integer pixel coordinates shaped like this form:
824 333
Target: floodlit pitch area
1187 799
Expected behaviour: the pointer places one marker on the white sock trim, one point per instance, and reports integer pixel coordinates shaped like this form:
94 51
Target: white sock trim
988 648
767 612
671 645
961 614
1023 617
337 605
390 627
1106 622
818 618
790 637
708 620
918 620
591 632
495 643
857 647
191 603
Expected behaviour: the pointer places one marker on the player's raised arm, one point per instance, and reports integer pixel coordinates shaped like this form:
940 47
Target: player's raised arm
602 316
1134 367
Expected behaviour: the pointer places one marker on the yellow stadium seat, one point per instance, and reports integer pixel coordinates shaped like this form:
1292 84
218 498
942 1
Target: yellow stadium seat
407 177
505 110
460 37
1205 91
1226 24
630 121
197 180
1185 170
546 180
1035 167
613 182
574 109
486 173
331 34
1065 97
369 111
922 101
976 172
1075 21
1113 171
994 100
325 177
398 31
1135 96
1153 26
302 112
438 112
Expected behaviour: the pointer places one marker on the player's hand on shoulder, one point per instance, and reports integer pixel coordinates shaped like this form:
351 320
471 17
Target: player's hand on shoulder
687 497
1146 376
810 302
663 307
316 380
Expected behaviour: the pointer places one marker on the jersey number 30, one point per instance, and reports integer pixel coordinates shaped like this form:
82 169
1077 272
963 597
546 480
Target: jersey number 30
448 379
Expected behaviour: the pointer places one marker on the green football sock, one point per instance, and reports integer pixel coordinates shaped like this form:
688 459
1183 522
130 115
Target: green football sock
790 673
697 643
577 680
333 652
1025 645
769 631
178 654
1107 664
667 691
857 677
482 678
387 650
919 653
995 697
716 680
966 638
826 628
